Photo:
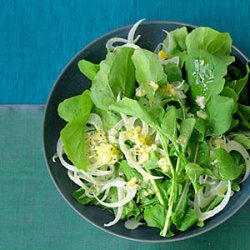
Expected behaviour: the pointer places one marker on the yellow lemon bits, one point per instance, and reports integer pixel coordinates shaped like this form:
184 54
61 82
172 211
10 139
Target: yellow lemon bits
132 182
162 55
170 91
107 154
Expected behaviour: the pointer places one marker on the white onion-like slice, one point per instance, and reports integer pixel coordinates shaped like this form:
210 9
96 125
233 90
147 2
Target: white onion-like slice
170 41
132 223
158 48
130 45
99 172
175 60
145 129
180 85
60 152
131 192
119 210
204 199
73 176
158 141
119 183
118 125
128 122
106 193
129 42
235 146
96 121
86 176
110 42
206 215
132 31
54 157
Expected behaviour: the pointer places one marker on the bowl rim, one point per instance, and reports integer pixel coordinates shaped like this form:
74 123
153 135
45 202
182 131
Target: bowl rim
163 240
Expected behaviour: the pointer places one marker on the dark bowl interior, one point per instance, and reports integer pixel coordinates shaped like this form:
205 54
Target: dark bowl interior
71 82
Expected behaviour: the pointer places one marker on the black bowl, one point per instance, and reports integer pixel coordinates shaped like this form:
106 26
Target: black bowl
71 82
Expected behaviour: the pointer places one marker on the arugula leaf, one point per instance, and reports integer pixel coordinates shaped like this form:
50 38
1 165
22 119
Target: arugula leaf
76 107
178 39
124 106
201 127
173 72
174 44
116 76
164 188
155 216
242 82
194 171
129 210
76 111
186 130
156 112
129 171
220 110
109 119
148 69
89 69
203 157
189 220
243 140
73 136
244 113
181 206
81 197
168 125
101 92
152 163
214 42
227 168
205 74
121 76
229 92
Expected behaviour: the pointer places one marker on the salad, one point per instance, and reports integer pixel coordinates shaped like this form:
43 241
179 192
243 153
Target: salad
162 137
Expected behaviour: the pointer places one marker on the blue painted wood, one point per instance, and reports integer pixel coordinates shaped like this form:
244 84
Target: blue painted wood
38 38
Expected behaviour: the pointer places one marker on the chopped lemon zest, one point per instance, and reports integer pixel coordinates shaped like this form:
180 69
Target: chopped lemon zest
132 182
170 89
162 55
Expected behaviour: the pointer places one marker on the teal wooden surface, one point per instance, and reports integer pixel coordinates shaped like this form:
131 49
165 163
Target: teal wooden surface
38 38
33 215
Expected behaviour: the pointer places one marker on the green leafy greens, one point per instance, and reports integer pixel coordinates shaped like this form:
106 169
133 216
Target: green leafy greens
161 138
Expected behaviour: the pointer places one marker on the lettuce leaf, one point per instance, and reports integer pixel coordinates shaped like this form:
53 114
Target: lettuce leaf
212 41
148 69
220 110
89 69
205 73
76 111
76 107
74 141
115 77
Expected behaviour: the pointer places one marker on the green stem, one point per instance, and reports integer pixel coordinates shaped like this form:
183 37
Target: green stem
184 191
157 190
165 101
173 190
